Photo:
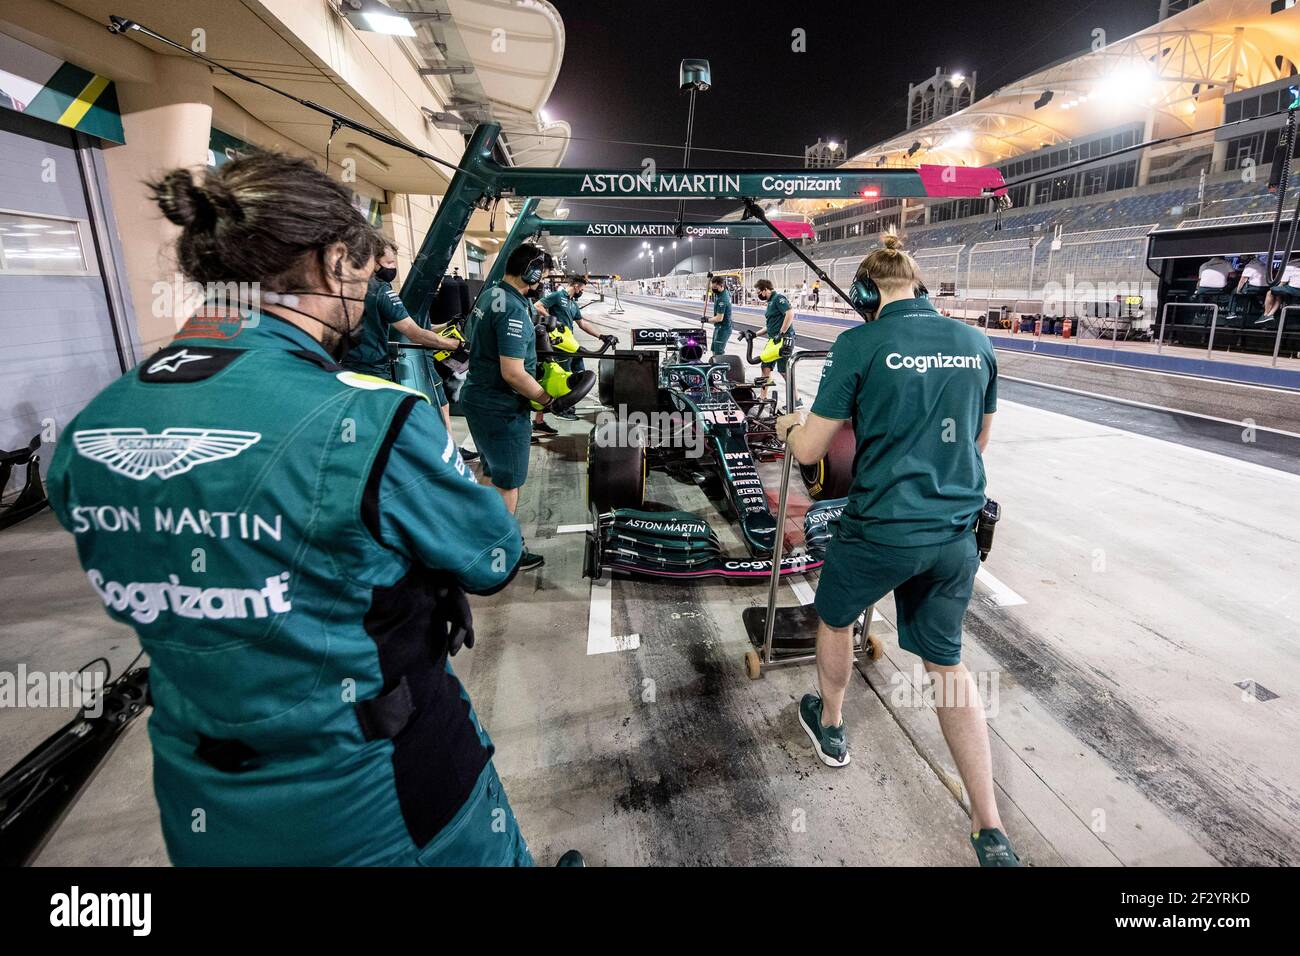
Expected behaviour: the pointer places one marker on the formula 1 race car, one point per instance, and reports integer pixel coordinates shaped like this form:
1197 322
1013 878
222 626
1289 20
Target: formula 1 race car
695 418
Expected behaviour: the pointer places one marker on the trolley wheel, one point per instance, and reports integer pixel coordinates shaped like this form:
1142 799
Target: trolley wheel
833 475
753 665
875 648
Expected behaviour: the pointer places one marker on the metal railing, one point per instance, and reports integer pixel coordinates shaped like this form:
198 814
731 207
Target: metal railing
1164 315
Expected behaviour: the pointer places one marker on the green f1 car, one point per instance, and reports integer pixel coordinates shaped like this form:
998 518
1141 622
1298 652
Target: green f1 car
694 417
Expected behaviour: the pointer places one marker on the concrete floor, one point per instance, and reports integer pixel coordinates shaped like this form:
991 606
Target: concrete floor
1135 581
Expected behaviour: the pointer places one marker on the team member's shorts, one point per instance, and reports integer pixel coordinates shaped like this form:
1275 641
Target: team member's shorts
439 396
720 338
932 585
503 440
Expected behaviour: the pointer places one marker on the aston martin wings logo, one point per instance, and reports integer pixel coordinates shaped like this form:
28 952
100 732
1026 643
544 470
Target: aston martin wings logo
137 454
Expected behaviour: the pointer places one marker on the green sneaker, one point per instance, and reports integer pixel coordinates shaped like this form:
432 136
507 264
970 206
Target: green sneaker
829 742
993 848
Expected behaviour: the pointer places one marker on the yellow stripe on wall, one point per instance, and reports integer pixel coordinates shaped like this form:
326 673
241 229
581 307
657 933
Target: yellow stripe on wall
79 107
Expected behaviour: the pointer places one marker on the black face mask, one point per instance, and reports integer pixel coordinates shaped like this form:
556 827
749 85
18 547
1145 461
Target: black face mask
385 274
348 339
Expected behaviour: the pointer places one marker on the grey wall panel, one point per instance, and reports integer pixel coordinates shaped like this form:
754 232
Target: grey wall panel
57 345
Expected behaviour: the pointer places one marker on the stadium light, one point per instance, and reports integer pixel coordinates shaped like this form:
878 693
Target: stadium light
958 140
1129 82
376 17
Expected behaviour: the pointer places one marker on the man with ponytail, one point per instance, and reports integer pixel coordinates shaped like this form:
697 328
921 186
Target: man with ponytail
919 391
305 539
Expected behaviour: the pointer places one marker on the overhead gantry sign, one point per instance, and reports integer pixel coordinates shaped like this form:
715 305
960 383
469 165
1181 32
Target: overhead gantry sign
481 180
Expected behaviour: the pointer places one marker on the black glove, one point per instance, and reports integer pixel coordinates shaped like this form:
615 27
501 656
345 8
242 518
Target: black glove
610 340
454 615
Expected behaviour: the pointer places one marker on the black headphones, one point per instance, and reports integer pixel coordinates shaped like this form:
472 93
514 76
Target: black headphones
864 295
533 272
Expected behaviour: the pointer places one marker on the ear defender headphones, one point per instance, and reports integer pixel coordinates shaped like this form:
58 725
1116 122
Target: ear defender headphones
533 273
864 295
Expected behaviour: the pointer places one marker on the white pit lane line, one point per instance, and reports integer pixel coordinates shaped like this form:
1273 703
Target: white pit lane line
600 622
1002 595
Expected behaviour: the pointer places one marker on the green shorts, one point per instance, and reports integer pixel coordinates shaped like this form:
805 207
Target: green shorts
503 440
932 585
721 334
439 396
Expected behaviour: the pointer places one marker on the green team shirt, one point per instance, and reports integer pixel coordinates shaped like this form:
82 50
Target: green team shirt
722 307
916 386
502 326
777 306
383 309
561 305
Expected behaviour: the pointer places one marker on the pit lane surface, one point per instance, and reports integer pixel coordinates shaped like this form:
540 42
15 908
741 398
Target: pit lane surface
1154 576
1156 558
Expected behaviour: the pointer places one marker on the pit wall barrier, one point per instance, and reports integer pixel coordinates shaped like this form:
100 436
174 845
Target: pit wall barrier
1223 369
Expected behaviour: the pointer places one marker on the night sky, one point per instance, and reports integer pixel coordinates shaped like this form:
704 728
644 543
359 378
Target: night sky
619 80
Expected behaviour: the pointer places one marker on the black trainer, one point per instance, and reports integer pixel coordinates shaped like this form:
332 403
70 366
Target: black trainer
467 455
530 561
544 428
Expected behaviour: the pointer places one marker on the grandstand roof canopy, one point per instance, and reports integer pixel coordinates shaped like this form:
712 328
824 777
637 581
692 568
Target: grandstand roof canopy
1174 73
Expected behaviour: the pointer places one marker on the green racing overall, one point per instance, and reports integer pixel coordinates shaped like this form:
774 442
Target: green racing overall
292 542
